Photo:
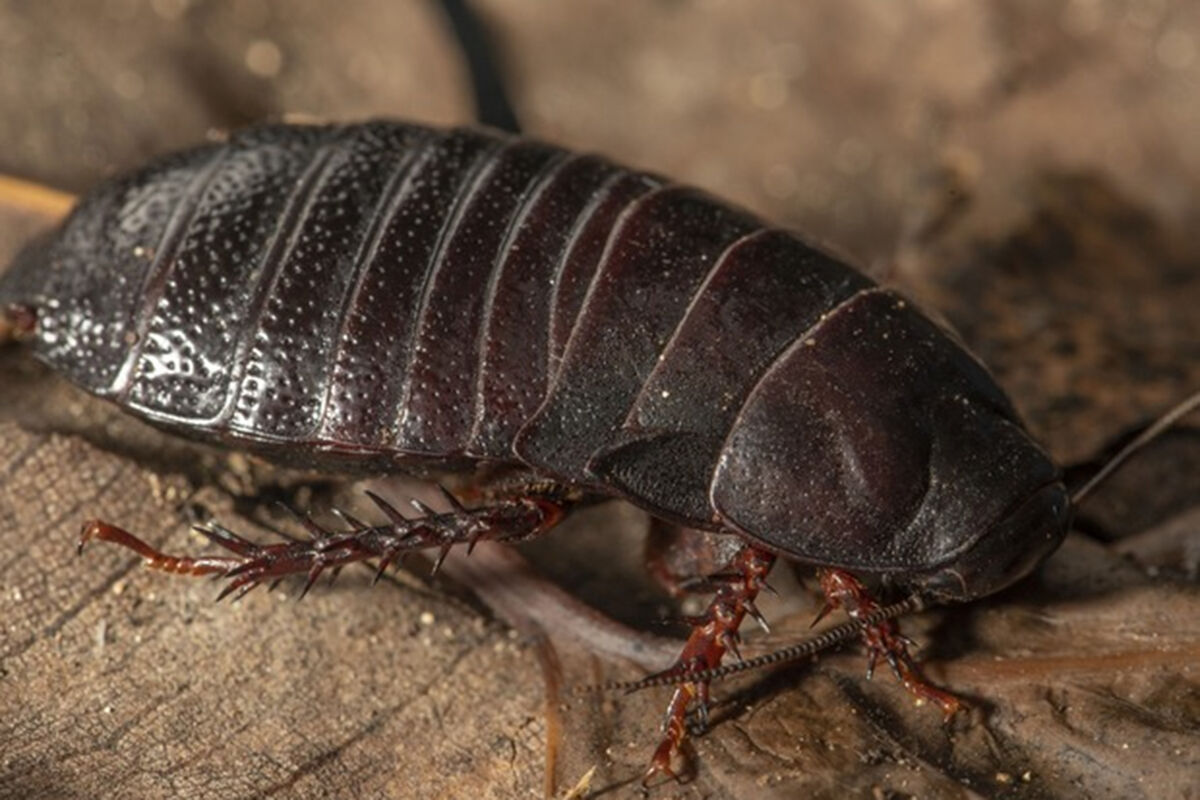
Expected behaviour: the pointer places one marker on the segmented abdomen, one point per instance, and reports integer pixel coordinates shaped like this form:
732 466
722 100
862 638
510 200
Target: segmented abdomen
364 289
386 292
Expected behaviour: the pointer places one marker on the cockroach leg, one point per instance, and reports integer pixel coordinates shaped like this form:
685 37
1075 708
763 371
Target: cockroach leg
686 560
155 559
883 639
714 634
507 519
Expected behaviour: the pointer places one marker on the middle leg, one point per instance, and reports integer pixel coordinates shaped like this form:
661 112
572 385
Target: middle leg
714 633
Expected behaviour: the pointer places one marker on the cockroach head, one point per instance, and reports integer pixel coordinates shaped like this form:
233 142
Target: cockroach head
885 448
1008 551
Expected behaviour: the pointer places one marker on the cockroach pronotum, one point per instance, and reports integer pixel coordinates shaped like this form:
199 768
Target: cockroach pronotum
386 296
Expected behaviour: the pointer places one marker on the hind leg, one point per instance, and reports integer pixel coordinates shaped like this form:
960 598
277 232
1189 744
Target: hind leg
518 514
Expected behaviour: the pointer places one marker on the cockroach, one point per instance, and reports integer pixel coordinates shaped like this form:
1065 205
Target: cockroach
385 297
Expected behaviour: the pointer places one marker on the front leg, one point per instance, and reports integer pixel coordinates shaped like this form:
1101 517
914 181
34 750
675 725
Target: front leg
843 590
714 633
516 515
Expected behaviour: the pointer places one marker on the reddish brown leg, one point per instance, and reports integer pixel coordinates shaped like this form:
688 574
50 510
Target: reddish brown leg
843 590
684 560
507 519
714 634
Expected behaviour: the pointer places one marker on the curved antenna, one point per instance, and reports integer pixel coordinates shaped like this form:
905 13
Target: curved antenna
492 106
1159 426
822 641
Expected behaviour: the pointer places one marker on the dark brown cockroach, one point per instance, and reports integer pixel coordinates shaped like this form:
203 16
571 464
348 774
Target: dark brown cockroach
385 296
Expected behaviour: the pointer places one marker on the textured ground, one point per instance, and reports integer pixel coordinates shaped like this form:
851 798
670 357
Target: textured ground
1028 168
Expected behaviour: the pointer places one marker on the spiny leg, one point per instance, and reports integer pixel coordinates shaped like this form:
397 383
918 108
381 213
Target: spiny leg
713 634
685 561
843 590
508 518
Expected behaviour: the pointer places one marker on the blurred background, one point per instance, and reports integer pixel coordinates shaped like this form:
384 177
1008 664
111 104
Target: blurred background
1028 168
832 116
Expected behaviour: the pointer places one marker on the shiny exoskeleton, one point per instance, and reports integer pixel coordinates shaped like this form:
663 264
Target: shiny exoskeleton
386 295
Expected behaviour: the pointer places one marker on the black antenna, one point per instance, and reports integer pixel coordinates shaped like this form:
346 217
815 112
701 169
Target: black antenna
1151 433
492 107
835 635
